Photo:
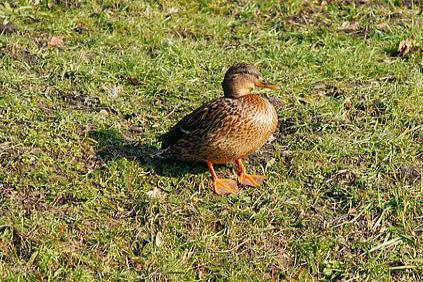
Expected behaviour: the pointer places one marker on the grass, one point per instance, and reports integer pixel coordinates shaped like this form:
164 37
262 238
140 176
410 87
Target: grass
81 198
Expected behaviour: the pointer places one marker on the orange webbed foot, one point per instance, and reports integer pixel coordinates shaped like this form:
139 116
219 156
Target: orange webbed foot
224 186
248 179
251 179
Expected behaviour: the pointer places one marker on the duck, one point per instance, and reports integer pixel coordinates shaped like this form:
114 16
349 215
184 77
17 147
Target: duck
226 129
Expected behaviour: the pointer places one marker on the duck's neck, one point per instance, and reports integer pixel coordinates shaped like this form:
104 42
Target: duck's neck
236 92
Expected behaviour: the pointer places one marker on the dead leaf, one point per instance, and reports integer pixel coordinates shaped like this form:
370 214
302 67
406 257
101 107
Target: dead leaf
349 26
156 193
159 239
347 104
104 112
113 90
405 47
133 80
172 10
38 275
383 27
55 41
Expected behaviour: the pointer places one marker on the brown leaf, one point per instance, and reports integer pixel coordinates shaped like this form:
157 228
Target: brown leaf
38 275
55 41
405 47
133 80
348 105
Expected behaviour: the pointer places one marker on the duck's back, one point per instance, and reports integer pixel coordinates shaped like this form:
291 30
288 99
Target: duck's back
222 130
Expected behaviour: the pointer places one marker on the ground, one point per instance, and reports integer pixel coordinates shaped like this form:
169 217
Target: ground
86 88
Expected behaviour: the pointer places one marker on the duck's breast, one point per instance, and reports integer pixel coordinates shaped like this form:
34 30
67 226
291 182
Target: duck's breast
260 123
248 130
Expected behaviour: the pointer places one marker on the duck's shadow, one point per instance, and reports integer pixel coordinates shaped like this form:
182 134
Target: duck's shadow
111 145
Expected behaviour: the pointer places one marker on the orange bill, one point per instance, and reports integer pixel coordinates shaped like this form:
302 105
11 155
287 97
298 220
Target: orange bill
266 85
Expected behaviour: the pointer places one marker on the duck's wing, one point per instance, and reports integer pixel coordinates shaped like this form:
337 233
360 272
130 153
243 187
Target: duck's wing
199 121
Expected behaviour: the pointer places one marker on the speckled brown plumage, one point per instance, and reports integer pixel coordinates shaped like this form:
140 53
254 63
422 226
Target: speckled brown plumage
228 128
222 130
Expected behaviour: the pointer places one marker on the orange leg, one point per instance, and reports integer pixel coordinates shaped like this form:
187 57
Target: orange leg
248 179
222 186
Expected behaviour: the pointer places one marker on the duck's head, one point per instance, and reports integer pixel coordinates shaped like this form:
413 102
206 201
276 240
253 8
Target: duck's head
241 78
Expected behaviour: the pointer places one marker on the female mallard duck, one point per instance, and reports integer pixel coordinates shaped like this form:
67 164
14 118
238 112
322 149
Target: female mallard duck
226 129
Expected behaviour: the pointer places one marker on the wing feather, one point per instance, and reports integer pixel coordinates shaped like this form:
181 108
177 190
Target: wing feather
196 122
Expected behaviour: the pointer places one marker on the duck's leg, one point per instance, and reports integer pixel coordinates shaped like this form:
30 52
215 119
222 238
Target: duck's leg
248 179
222 186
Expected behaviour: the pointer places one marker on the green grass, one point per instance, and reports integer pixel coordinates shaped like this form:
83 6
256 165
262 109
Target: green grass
81 198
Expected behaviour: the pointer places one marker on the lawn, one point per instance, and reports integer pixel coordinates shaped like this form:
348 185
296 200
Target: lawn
86 88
